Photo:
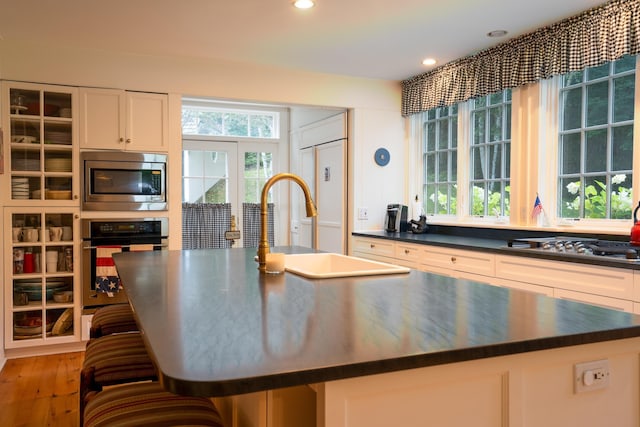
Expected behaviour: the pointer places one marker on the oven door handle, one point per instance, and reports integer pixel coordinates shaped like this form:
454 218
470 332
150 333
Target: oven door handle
87 246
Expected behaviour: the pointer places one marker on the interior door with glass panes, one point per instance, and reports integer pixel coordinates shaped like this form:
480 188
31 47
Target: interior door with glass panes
229 172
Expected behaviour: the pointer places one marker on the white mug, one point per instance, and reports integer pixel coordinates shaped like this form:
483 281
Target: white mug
56 233
30 234
15 233
67 233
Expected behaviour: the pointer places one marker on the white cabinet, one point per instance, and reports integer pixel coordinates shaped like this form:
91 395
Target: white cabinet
40 153
40 199
42 291
606 286
616 288
123 120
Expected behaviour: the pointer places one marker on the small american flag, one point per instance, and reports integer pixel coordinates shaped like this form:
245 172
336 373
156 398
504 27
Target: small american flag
537 208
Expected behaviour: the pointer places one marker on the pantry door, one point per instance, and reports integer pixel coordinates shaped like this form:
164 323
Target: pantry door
229 172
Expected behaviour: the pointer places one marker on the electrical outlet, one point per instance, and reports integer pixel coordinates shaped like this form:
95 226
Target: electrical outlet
363 213
590 376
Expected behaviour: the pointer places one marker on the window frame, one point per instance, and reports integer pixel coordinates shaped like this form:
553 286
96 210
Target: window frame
247 109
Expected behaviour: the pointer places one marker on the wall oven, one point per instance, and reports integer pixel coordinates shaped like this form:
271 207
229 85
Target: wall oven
100 239
123 181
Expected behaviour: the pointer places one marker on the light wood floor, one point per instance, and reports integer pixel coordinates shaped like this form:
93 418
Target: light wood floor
41 391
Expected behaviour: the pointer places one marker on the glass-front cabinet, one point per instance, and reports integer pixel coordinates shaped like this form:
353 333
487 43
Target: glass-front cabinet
41 131
41 210
42 278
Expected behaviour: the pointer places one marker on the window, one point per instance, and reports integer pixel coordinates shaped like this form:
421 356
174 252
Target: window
216 121
490 154
595 149
258 168
440 160
205 176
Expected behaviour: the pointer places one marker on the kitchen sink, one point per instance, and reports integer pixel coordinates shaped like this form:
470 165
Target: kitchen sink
331 265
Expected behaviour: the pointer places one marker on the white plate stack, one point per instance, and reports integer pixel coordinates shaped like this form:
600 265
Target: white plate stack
19 188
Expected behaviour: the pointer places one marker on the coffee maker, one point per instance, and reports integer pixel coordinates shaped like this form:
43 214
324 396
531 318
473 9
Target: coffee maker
396 218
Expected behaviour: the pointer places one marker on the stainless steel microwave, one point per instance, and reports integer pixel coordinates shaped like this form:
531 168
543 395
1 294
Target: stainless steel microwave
123 181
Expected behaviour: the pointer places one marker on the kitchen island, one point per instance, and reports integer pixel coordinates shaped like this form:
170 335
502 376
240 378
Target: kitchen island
405 349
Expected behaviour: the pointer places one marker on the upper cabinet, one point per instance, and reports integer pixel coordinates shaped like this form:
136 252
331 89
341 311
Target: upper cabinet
123 120
40 150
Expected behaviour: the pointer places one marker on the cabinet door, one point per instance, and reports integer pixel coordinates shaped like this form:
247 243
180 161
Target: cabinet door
147 122
102 119
40 148
41 277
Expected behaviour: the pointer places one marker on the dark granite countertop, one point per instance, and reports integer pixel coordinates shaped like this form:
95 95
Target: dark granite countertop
496 245
216 327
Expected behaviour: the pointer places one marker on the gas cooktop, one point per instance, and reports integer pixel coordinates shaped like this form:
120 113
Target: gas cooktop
570 245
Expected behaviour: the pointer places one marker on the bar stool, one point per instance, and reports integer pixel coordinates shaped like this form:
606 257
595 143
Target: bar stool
112 319
111 360
148 404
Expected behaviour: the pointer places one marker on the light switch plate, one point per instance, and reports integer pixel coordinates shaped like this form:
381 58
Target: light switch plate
363 213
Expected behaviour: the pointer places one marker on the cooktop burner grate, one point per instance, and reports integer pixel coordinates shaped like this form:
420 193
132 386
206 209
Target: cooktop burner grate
608 247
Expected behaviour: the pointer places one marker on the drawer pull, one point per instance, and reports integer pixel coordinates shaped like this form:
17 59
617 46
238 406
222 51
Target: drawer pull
372 246
453 259
407 251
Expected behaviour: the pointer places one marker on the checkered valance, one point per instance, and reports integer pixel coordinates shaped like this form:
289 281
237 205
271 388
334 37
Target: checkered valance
599 35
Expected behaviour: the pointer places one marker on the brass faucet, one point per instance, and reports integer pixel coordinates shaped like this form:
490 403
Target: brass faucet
263 248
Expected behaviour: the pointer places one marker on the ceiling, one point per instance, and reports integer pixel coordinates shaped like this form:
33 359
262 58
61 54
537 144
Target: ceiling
381 39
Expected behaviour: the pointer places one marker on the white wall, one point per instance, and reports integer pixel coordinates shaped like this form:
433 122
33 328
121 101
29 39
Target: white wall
374 104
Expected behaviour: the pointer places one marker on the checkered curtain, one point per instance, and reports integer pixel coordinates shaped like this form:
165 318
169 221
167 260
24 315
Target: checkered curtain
251 224
599 35
204 225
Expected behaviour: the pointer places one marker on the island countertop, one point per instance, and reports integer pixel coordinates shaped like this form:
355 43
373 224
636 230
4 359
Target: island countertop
217 327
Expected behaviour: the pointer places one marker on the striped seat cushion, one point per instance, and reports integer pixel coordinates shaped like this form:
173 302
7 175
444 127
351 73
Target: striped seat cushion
148 404
114 359
112 319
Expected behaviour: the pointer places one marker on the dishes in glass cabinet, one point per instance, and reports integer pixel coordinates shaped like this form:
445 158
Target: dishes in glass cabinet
30 326
24 139
22 164
57 164
17 109
33 289
19 188
56 137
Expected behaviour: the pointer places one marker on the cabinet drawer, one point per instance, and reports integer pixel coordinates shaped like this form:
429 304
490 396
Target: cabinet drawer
409 252
374 247
596 280
469 261
607 302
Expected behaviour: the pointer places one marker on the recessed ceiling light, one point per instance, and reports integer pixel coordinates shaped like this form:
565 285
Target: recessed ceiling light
304 4
429 61
497 33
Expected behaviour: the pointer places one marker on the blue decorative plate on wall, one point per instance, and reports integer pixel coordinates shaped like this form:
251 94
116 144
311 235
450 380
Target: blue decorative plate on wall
382 157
